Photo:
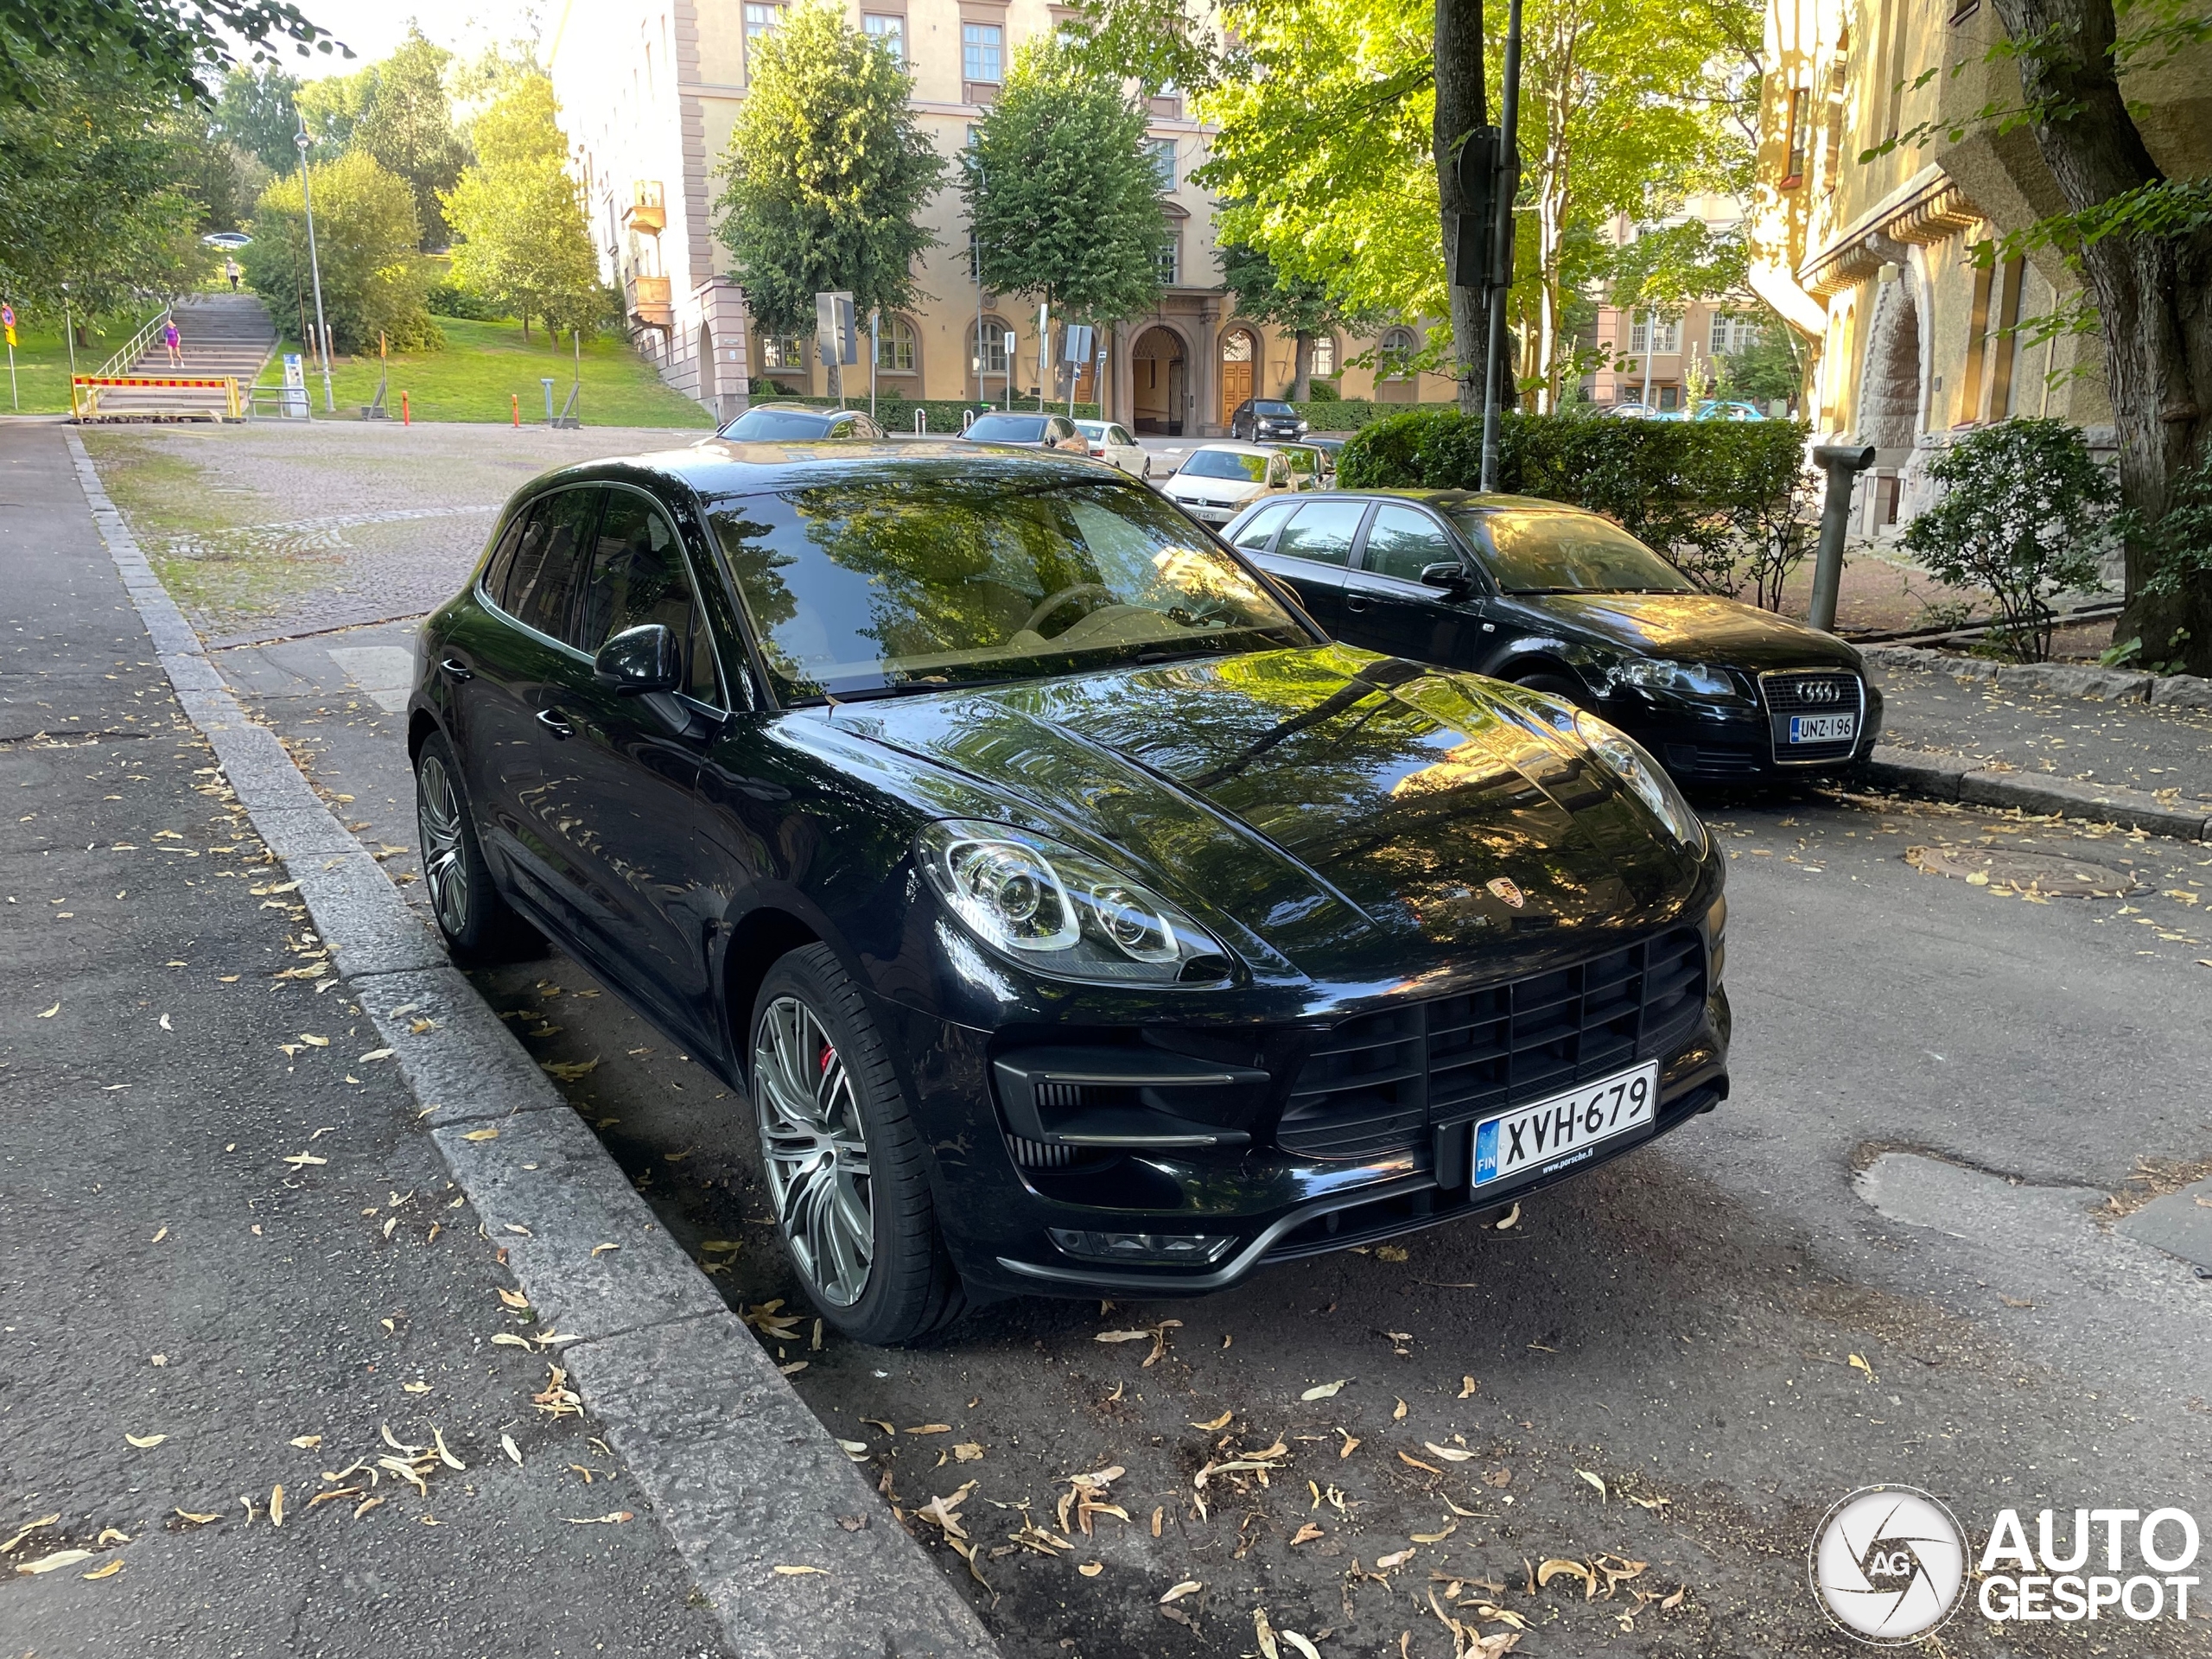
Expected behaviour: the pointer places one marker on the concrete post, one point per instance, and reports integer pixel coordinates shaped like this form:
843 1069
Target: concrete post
1843 462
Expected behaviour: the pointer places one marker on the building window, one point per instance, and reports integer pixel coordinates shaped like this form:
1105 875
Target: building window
1162 151
980 45
896 348
1793 169
993 356
889 31
1392 352
1324 355
1732 334
784 351
1171 262
1664 341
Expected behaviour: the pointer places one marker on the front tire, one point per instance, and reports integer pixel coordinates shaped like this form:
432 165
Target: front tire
842 1159
478 924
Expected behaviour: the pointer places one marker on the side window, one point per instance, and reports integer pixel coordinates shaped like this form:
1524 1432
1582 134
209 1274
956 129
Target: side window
548 563
1403 542
1322 532
1120 437
638 577
841 428
502 562
1265 522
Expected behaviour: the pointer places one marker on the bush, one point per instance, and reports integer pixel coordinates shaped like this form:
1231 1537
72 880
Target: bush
1324 390
1723 501
450 300
374 280
1355 414
2025 513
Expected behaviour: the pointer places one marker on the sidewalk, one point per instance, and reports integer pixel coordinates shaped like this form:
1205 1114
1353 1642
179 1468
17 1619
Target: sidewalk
2043 750
229 1267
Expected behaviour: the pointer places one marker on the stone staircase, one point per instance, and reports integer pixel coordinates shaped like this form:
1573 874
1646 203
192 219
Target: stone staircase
223 334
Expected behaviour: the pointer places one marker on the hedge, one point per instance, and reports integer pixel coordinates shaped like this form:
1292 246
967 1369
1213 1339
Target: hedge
1726 502
1357 414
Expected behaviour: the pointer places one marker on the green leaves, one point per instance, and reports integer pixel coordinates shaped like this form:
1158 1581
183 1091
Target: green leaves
365 238
520 215
1061 193
827 171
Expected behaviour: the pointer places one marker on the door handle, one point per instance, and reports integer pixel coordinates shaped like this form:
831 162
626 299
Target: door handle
455 671
1355 601
551 721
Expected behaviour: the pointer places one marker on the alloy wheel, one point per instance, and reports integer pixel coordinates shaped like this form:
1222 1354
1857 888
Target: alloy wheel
814 1149
445 856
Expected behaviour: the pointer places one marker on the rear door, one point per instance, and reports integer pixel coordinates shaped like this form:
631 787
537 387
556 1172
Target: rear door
1388 607
1312 552
626 815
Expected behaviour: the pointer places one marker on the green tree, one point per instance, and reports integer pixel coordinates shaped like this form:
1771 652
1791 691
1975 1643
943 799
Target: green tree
95 174
333 106
171 46
374 280
1061 193
255 114
1266 293
2025 512
827 171
408 128
1766 370
519 214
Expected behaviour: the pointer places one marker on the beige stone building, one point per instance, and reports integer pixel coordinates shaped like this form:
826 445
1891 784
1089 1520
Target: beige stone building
1650 359
649 91
1870 261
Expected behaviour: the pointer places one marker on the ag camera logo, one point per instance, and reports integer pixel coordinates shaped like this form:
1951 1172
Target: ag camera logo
1889 1564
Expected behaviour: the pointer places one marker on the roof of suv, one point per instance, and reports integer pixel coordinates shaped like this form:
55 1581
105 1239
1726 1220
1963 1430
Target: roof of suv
725 466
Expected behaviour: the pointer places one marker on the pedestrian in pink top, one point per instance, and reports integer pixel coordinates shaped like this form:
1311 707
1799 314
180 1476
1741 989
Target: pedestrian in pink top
174 342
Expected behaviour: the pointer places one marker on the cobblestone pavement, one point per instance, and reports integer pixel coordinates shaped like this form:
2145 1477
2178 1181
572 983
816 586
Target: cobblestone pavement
268 532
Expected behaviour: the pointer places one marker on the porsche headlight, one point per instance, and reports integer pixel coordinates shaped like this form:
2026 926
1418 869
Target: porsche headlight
1660 674
1629 762
1060 912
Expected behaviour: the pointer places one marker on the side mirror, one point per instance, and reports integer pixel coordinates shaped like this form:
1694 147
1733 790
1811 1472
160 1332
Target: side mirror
1451 578
640 660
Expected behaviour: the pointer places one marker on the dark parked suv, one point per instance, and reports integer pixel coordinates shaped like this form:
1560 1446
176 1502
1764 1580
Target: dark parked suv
1568 602
1072 916
1258 420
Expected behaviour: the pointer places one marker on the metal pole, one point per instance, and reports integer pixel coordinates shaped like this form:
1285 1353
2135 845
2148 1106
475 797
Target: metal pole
1650 341
1043 348
874 350
1843 463
1502 246
315 267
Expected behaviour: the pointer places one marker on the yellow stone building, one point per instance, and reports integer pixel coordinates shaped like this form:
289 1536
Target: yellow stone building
649 91
1869 260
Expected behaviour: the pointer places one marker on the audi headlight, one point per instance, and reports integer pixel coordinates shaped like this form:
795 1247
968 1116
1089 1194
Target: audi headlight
1060 912
1628 761
1689 679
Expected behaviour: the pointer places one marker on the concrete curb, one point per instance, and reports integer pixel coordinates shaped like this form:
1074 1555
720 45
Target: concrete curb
2054 679
742 1477
1954 778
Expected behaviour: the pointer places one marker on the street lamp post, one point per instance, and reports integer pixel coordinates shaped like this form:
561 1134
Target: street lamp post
1494 379
314 268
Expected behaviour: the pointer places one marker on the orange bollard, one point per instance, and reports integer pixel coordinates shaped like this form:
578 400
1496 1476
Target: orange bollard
405 419
515 397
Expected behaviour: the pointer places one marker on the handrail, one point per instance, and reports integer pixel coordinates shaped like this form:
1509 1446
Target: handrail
124 359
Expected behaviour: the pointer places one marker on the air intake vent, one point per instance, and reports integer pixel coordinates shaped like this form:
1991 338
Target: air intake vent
1374 1084
1035 1155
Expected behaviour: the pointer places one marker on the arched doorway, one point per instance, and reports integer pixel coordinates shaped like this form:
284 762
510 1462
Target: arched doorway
1889 384
1160 376
1240 368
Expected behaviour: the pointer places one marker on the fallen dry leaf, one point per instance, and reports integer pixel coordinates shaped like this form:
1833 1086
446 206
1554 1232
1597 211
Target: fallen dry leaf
1306 1534
1408 1459
107 1571
1399 1415
49 1013
800 1572
1221 1421
1858 1363
1189 1586
481 1134
1467 1386
1450 1453
1594 1481
1450 1527
1091 1569
1325 1391
1396 1558
196 1519
143 1442
276 1505
1389 1253
931 1428
1266 1634
967 1452
307 1442
1300 1643
613 1520
513 1298
59 1558
1554 1567
514 1452
44 1521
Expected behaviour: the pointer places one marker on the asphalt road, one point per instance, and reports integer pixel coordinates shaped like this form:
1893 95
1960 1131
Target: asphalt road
1889 1257
228 1264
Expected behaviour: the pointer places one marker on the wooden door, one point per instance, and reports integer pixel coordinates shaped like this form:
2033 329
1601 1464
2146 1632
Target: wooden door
1237 361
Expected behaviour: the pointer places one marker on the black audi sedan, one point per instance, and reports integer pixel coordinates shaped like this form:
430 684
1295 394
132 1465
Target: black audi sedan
1073 915
1257 420
1568 602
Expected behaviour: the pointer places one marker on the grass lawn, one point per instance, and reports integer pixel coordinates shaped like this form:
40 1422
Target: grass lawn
484 364
42 362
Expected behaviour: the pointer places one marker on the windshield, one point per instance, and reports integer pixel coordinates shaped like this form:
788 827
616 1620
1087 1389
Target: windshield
1570 553
1095 430
1007 429
1227 463
1272 408
1301 460
777 423
918 581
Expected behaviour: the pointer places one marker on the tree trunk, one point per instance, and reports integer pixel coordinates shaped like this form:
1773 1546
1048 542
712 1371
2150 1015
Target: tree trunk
1301 374
2153 294
526 324
1462 105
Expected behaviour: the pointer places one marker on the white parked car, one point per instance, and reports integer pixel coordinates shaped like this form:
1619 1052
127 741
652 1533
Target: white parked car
1217 481
1112 444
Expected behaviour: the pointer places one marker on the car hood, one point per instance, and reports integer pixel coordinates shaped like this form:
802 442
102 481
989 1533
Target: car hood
1346 815
1211 489
1696 628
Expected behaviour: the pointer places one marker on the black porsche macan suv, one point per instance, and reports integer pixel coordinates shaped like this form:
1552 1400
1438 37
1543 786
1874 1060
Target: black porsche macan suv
1566 602
1074 917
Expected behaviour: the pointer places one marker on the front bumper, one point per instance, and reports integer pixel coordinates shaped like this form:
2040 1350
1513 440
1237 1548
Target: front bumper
1735 742
1275 1204
1208 512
